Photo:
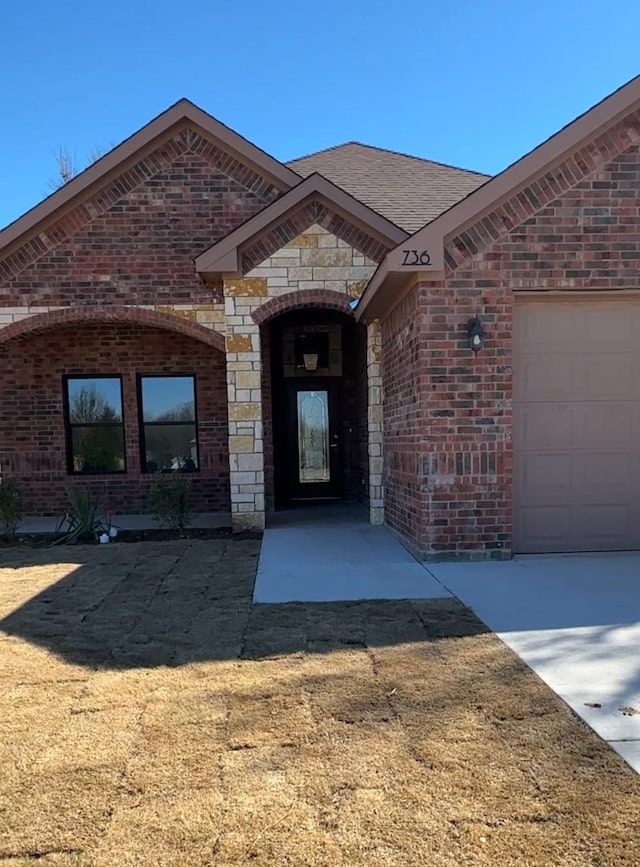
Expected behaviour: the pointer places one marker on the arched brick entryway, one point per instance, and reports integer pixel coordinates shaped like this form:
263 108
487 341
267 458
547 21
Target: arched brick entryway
40 354
321 299
111 314
345 383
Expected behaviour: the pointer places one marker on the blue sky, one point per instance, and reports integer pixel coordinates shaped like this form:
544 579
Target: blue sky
475 83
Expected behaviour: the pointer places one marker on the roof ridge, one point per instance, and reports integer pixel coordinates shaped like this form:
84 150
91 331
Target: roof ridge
321 151
389 151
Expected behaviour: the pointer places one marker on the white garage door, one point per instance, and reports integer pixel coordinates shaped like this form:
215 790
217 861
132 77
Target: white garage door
576 424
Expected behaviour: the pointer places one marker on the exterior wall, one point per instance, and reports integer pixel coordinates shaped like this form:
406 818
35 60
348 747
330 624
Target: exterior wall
361 400
267 419
375 423
314 261
208 315
134 240
130 244
32 434
404 504
458 411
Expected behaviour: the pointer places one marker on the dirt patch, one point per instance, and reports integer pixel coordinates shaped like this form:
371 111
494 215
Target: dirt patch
149 714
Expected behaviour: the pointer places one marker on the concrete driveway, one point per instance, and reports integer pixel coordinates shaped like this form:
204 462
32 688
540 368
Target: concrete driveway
575 620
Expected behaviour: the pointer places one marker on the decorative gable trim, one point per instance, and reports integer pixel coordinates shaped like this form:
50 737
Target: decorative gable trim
136 159
187 140
542 192
315 200
507 200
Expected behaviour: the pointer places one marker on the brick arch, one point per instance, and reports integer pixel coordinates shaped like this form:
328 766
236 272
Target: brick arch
325 299
115 315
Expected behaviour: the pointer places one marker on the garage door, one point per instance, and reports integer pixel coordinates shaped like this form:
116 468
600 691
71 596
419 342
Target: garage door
576 425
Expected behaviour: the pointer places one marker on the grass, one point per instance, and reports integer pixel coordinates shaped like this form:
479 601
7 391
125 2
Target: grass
149 715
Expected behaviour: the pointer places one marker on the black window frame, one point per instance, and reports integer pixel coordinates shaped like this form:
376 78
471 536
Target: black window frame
142 423
70 426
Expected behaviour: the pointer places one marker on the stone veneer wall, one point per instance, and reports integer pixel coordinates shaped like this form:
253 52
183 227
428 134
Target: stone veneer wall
209 315
315 260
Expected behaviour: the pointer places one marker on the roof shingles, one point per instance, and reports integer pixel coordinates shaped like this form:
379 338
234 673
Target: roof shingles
407 190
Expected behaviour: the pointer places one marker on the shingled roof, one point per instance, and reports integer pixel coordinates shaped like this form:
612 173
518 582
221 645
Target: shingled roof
407 190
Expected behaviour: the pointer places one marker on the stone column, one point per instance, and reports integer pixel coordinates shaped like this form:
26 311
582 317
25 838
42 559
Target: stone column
244 401
374 380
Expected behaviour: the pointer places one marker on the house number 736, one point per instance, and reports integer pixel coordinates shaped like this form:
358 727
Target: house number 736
416 257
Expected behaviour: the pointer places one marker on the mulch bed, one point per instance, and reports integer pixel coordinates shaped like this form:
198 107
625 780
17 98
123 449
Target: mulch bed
43 540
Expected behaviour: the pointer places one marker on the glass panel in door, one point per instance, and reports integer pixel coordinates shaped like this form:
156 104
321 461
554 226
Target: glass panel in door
313 437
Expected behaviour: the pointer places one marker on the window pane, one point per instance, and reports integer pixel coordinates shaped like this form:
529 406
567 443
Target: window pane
170 447
94 400
313 436
168 398
97 449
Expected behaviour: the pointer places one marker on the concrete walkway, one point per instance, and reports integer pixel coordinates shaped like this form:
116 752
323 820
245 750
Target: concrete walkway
575 620
330 554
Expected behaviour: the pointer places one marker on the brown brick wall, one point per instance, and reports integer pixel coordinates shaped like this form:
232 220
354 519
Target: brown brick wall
139 250
448 448
403 422
32 436
464 453
131 242
301 299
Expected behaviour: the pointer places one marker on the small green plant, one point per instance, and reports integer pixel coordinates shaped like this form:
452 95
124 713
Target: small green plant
11 505
85 519
170 500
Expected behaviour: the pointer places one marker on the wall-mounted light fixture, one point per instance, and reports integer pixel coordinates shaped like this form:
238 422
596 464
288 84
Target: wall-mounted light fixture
476 334
310 360
312 350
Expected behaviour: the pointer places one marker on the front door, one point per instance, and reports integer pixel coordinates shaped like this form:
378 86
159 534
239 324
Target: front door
312 452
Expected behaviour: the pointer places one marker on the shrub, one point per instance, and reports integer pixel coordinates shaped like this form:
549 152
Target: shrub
85 519
11 505
170 500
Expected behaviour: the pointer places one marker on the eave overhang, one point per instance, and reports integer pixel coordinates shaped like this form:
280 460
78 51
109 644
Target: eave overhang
224 257
421 257
180 115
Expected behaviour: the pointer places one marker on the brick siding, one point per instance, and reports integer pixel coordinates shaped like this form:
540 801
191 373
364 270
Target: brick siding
32 435
448 443
403 422
135 240
101 264
322 299
111 313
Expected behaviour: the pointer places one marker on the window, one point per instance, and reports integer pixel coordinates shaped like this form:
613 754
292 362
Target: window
168 423
95 430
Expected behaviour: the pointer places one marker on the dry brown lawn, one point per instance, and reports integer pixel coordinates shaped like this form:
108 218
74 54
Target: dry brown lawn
150 716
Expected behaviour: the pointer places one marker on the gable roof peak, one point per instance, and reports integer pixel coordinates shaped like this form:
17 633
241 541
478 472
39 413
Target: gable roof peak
224 256
408 190
390 151
621 106
123 155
